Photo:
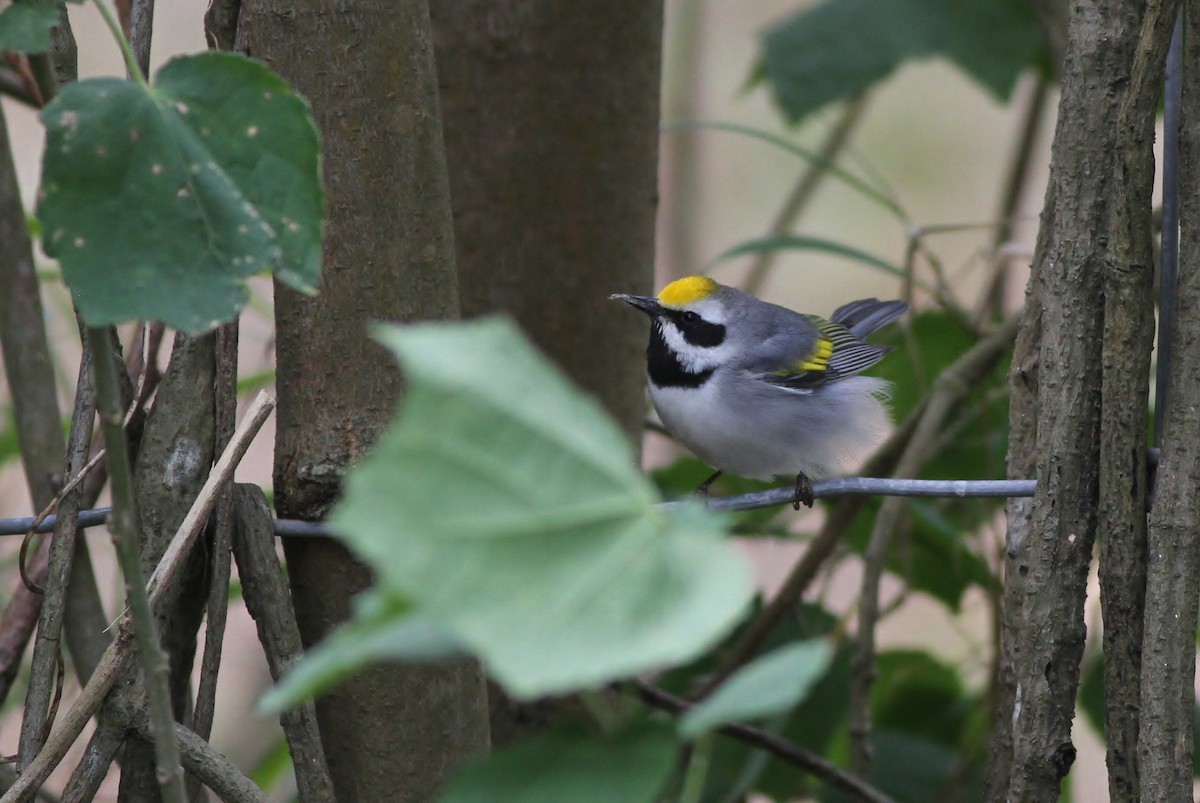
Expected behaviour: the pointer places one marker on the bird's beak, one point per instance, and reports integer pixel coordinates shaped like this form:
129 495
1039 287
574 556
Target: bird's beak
646 304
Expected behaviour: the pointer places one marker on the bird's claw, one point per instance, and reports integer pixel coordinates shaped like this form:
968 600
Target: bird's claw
804 492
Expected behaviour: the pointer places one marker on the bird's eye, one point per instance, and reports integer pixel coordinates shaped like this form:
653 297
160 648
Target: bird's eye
689 317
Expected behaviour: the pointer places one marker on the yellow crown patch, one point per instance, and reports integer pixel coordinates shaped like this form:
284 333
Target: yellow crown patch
686 290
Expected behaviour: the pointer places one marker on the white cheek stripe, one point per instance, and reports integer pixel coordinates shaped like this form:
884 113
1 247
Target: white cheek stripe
694 358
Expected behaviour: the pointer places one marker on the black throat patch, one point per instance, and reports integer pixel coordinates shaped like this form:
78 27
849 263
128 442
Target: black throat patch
664 367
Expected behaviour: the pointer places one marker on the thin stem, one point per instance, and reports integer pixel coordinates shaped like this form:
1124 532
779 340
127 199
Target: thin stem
806 187
125 528
131 63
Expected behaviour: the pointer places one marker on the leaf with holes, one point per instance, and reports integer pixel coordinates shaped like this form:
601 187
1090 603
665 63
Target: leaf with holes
160 203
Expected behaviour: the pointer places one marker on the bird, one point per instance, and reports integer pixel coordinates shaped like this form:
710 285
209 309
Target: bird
762 391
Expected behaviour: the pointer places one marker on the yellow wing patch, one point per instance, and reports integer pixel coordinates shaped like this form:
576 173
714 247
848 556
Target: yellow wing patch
819 359
686 290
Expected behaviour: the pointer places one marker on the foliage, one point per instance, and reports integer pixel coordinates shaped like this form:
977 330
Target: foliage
809 61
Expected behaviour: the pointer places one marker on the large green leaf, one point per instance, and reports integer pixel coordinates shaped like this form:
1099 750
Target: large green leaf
840 48
160 203
629 767
770 684
506 506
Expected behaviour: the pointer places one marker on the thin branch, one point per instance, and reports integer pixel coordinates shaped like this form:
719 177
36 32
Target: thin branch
780 748
125 528
212 768
269 601
206 500
225 404
47 649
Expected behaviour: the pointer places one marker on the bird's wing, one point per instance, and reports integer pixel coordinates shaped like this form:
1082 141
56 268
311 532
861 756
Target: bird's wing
813 355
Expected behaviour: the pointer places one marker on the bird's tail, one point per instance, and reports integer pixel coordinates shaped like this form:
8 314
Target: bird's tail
868 315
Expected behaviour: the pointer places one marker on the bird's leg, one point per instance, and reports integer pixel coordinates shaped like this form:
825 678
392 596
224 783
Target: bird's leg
702 488
804 492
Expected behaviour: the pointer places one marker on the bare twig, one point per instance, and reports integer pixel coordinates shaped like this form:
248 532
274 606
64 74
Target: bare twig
225 404
781 748
47 649
270 603
115 657
214 770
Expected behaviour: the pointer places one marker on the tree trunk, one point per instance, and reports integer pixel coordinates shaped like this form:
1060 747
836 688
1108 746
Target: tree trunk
1087 308
390 733
551 115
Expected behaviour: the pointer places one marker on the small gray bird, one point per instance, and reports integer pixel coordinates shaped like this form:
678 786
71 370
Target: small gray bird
758 390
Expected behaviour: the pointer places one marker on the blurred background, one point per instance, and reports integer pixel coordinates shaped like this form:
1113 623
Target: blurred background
935 147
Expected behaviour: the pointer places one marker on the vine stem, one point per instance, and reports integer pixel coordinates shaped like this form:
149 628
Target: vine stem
125 529
131 63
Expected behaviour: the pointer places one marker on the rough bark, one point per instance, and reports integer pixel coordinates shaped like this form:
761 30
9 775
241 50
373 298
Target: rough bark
551 116
390 733
1085 242
1173 574
1128 340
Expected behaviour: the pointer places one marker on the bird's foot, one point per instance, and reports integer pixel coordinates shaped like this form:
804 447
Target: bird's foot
804 492
702 489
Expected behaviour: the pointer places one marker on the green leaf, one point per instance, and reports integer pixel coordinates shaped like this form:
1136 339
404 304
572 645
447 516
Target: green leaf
797 243
159 204
767 685
915 693
25 26
384 632
809 61
628 767
506 506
